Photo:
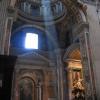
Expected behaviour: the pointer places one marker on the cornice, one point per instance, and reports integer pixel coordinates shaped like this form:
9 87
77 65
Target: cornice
33 58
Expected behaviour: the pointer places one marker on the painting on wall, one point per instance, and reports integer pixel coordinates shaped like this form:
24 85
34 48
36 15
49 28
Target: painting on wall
26 89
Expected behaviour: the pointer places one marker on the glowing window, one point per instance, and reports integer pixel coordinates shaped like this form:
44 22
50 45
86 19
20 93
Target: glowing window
31 41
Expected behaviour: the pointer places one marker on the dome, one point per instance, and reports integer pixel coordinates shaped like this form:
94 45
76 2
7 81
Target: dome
37 10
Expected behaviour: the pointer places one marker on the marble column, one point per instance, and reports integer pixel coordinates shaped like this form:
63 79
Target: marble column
39 91
69 70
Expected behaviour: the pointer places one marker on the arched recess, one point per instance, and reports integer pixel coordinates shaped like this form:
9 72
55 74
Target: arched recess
43 36
28 85
74 68
70 51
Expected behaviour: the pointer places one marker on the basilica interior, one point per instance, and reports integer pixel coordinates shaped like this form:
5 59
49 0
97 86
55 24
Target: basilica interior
47 43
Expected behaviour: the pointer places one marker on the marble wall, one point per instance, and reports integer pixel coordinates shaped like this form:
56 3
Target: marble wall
94 35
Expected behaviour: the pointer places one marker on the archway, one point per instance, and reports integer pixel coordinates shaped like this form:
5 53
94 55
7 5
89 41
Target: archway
76 82
28 85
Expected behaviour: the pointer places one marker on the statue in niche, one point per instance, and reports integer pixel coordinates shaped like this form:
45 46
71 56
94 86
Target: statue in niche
78 92
26 89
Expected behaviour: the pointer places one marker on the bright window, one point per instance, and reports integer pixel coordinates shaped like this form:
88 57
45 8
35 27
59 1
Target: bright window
31 41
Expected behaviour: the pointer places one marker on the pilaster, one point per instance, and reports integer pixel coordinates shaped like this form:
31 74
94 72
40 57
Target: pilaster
60 80
87 66
7 14
3 17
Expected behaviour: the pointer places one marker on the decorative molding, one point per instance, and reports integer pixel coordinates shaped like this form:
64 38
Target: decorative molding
32 26
34 67
32 54
73 9
79 28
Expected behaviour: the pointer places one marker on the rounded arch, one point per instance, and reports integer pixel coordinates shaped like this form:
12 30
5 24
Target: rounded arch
73 52
34 75
26 88
41 29
29 76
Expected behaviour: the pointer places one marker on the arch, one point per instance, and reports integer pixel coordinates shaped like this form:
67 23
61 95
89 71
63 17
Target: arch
35 78
74 68
26 84
73 50
50 37
28 25
27 75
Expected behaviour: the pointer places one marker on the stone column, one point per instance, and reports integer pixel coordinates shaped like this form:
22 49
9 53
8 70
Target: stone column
69 70
87 67
59 74
38 96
